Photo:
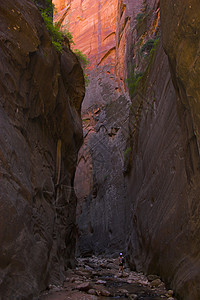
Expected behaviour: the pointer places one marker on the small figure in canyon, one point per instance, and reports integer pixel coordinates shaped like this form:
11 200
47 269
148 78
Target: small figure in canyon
121 263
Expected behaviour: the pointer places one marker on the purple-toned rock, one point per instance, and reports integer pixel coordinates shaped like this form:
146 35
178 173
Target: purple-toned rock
84 286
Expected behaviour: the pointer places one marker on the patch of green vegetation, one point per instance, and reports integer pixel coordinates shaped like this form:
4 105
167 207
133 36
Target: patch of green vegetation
68 34
133 81
54 30
82 58
150 46
58 35
84 63
50 7
146 47
127 151
156 41
135 77
86 120
140 17
86 77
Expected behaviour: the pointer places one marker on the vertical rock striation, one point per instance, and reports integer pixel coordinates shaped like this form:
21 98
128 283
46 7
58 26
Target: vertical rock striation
40 100
92 24
164 181
99 181
107 32
158 150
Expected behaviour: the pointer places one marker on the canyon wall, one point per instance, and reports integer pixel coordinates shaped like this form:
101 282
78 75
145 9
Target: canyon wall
99 180
107 32
40 100
92 24
164 179
137 179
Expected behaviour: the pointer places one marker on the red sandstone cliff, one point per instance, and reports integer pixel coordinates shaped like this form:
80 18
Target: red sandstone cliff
93 25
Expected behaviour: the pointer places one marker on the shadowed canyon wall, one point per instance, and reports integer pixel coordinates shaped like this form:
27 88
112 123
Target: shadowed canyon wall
40 100
164 180
99 180
106 31
137 179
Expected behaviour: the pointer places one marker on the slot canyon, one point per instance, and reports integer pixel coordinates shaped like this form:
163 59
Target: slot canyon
99 151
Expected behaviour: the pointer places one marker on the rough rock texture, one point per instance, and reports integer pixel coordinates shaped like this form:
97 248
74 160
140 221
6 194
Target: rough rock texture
162 152
107 32
102 214
92 24
181 30
103 159
137 22
164 181
99 181
83 283
158 175
40 98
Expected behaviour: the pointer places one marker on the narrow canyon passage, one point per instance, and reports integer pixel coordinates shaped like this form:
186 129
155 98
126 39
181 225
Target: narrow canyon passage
140 154
99 149
99 278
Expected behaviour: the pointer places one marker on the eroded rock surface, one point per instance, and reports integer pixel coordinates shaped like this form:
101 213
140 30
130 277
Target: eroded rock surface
181 29
162 150
163 184
40 98
98 278
92 24
107 32
99 180
102 213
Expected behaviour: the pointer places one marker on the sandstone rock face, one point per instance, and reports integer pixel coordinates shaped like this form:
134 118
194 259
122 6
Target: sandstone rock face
92 24
40 99
102 213
181 28
99 180
103 30
161 154
137 22
103 160
164 181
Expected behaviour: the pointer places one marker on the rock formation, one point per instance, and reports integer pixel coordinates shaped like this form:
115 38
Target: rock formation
104 31
160 149
164 181
93 26
40 100
99 180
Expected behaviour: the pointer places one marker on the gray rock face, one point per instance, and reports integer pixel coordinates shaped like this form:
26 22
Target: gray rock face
103 206
40 98
102 214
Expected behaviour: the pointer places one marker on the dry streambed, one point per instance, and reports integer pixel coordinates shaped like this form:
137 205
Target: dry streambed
96 278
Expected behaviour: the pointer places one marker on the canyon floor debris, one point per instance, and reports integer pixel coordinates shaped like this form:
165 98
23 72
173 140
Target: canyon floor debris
96 278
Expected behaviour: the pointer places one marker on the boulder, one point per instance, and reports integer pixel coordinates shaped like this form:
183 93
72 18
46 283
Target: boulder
84 286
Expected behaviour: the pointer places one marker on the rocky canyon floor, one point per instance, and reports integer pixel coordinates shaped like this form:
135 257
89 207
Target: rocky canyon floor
97 278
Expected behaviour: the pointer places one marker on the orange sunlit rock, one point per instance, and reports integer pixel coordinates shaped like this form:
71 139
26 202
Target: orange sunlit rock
93 25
